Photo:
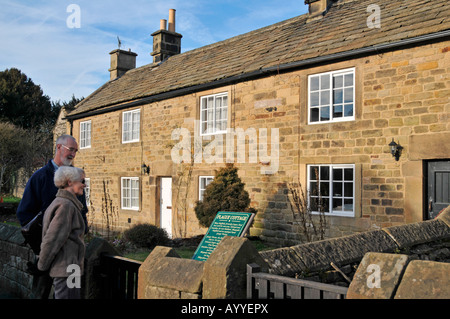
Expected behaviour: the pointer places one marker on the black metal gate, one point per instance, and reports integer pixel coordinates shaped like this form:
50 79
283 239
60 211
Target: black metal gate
120 277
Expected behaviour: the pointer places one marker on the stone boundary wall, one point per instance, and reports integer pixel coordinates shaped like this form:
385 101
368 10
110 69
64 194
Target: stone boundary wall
14 279
17 283
428 240
164 275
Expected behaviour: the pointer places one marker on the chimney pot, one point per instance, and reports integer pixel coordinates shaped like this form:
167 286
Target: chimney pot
163 24
172 20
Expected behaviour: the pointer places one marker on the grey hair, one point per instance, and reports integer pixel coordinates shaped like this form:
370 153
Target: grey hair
63 139
66 174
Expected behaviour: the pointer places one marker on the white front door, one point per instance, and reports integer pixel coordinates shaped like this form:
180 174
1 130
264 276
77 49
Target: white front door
166 205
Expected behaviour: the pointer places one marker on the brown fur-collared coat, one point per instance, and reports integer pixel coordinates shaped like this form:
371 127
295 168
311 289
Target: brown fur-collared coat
62 235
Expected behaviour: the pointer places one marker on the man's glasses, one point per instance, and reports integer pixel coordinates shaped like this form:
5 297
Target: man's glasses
70 149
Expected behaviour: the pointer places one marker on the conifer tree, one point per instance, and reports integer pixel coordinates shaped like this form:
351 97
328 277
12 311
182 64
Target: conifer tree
225 193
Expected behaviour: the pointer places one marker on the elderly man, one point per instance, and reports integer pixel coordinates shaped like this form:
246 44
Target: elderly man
39 193
40 190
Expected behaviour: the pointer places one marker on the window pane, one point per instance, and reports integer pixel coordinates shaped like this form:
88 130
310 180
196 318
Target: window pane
325 82
225 101
315 99
324 97
337 204
313 170
337 189
348 95
314 115
337 174
204 115
348 174
337 110
314 83
313 204
313 189
348 205
325 205
325 188
338 81
324 173
348 79
337 96
348 110
325 113
210 102
348 189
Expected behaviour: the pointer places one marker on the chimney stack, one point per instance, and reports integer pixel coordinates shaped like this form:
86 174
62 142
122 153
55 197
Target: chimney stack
121 62
318 8
166 43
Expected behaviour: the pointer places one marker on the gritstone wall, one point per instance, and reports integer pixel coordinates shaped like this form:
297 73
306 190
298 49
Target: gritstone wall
428 240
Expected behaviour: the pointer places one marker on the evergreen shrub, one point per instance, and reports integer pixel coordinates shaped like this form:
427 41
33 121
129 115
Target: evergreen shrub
146 236
225 193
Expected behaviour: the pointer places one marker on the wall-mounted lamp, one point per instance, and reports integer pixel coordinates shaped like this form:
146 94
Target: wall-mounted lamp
396 149
145 169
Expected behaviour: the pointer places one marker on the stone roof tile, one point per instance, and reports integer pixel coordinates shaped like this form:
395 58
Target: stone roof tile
343 28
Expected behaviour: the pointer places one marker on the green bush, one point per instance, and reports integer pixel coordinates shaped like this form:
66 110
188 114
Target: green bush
225 193
146 236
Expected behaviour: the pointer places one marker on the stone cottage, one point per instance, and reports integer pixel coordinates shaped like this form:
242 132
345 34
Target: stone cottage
351 99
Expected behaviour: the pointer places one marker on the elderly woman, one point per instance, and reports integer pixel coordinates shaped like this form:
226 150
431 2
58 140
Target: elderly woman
62 248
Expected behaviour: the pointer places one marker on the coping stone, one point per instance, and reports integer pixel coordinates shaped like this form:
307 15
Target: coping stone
444 216
377 276
419 233
163 268
343 250
424 279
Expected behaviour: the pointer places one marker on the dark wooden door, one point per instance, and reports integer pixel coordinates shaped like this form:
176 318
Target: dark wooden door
438 190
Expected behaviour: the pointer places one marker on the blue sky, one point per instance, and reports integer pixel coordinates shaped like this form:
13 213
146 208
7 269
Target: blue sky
35 37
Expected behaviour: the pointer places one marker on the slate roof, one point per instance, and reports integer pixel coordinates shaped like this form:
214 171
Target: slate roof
343 29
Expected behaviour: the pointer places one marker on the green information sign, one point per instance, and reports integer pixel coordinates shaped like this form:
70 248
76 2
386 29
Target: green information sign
224 224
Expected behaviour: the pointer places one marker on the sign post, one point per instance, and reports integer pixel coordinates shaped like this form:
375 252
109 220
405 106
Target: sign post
224 224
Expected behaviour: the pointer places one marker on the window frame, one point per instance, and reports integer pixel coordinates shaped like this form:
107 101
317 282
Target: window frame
331 195
331 94
122 193
214 131
83 144
87 190
200 189
132 128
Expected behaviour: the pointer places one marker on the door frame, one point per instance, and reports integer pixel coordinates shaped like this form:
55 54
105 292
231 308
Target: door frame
426 194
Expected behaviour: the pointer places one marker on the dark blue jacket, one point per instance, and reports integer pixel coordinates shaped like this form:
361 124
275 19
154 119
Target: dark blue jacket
39 193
